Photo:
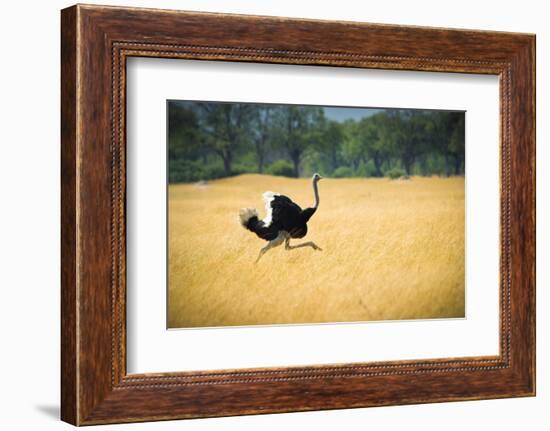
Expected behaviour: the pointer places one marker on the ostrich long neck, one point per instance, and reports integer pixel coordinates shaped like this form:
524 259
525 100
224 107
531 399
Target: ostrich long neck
316 193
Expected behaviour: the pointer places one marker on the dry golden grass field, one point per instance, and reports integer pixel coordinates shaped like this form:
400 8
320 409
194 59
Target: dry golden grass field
391 250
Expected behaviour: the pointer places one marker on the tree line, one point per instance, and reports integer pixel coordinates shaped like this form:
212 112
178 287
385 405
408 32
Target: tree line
209 140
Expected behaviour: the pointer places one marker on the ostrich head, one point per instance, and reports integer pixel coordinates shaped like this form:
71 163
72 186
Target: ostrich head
316 177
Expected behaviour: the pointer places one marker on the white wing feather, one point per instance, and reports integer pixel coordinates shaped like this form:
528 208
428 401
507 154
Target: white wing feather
268 198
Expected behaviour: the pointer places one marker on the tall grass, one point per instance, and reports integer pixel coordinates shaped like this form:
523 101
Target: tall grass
391 250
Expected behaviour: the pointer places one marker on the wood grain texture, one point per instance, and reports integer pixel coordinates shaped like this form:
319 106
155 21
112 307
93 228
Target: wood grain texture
69 397
96 41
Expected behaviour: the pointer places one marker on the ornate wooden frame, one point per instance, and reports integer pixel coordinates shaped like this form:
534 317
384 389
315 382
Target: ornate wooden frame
95 43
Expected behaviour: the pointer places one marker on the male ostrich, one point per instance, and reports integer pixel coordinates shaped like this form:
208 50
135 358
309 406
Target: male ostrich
284 220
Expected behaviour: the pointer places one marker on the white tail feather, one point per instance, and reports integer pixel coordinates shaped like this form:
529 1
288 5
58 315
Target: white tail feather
245 214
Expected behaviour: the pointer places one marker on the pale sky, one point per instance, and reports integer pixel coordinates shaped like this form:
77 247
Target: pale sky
334 113
343 114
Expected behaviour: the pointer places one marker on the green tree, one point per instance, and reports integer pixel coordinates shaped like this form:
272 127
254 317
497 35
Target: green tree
352 147
330 143
446 135
376 135
407 135
456 145
297 128
261 129
227 126
184 133
215 139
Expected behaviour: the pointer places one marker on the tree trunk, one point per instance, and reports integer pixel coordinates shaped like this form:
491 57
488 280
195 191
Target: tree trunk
261 164
260 153
458 163
424 165
227 164
377 166
296 163
333 160
447 167
407 164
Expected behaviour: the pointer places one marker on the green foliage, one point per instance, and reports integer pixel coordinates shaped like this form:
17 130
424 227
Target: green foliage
213 171
208 140
315 161
436 165
366 169
352 147
280 168
329 144
240 168
296 129
395 173
343 172
186 171
184 134
247 164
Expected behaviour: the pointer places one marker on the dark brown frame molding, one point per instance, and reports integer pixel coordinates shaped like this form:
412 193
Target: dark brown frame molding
95 43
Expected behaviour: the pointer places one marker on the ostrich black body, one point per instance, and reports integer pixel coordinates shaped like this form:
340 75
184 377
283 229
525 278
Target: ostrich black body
286 216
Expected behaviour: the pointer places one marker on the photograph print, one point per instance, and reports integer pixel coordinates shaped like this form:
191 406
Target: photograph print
298 214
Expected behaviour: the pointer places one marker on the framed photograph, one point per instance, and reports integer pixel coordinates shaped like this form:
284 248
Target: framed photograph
263 214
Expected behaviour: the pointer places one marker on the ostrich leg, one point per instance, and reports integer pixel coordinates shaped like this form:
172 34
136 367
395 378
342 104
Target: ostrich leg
271 244
304 244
